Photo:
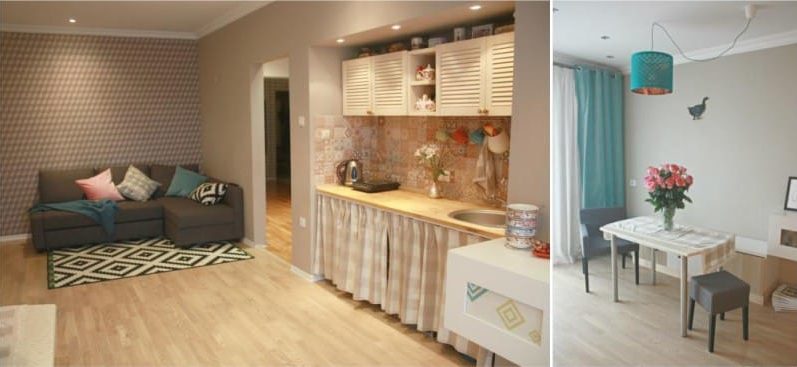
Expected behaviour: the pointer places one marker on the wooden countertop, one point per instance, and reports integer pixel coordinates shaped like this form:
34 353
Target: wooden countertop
414 205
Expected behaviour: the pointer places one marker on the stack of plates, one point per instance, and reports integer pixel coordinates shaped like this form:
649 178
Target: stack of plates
784 298
521 225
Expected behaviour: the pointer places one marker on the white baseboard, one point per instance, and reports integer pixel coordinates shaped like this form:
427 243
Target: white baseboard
305 275
14 238
248 242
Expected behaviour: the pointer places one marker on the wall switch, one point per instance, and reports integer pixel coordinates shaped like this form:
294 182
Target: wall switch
301 121
302 222
632 182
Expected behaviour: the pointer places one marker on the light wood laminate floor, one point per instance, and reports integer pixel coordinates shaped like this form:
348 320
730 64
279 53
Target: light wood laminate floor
253 312
644 328
278 218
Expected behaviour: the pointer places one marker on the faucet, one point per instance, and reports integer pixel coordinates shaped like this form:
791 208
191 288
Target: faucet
494 199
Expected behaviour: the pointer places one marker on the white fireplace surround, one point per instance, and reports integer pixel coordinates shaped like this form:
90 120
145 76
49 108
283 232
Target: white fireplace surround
778 223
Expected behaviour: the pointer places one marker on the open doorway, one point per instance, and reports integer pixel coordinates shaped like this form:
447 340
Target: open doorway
278 157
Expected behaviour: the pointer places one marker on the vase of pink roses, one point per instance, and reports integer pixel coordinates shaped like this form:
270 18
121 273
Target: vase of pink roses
667 186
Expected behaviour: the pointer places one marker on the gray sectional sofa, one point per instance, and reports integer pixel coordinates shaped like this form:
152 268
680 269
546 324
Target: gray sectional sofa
182 220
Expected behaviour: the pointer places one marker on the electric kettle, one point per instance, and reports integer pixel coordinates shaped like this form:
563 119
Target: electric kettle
349 172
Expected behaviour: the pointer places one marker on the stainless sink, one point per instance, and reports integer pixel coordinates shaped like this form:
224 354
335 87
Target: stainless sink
482 217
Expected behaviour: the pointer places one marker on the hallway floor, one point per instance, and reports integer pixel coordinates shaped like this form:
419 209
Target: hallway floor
278 219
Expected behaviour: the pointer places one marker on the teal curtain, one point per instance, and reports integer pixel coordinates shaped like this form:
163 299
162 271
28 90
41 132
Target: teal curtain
600 137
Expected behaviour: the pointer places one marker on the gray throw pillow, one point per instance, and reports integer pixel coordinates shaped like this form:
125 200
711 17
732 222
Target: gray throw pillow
136 185
209 193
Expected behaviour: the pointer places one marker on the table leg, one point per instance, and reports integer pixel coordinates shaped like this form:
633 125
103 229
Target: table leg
614 268
684 296
653 266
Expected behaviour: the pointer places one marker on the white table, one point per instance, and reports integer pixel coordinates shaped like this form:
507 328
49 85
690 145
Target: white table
683 241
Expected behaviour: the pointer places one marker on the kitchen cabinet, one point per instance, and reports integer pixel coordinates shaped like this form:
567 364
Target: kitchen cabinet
375 85
475 77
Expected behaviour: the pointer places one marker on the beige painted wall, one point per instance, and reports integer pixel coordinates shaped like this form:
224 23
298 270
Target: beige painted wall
529 163
740 153
230 63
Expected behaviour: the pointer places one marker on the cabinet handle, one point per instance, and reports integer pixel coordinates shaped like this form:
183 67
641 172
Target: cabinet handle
481 111
486 111
369 112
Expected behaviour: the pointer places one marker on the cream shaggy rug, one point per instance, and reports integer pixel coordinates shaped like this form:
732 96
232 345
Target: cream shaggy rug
27 335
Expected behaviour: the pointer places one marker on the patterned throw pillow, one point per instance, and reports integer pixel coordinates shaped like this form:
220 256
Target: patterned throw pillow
209 193
136 185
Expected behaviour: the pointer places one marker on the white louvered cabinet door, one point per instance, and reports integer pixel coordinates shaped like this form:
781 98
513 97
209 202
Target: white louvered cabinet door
459 78
499 73
390 84
357 92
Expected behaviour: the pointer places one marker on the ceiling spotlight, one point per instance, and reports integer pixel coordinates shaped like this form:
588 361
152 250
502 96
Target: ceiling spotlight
396 27
72 20
605 37
475 7
609 56
340 40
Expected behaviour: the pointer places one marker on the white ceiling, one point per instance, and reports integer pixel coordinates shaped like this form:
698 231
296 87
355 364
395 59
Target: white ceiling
704 28
455 16
178 19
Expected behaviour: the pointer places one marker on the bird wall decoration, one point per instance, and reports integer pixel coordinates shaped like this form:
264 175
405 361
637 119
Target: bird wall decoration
697 110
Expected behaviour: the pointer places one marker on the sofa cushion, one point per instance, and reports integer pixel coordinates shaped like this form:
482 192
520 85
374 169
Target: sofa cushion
129 211
164 174
185 212
100 187
57 186
118 172
209 193
135 211
184 182
137 185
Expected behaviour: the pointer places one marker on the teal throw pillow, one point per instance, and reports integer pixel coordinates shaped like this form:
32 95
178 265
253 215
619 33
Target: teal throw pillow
184 181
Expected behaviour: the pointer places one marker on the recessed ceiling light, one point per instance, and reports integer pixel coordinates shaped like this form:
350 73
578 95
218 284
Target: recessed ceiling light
395 27
340 40
609 56
605 37
72 20
475 7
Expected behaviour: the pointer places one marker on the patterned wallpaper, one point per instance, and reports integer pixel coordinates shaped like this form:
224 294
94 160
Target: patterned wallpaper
82 101
385 146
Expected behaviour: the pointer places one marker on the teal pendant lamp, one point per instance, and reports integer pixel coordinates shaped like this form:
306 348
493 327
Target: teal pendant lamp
651 73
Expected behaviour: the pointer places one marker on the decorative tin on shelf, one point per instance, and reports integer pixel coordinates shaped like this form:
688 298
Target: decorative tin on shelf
521 225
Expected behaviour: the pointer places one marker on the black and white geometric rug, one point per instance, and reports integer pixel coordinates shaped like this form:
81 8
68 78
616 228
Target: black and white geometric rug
96 263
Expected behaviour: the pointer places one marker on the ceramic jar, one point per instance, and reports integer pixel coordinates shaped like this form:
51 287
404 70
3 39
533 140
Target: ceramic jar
521 225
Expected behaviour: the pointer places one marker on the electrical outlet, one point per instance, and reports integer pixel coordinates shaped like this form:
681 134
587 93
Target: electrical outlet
301 121
302 222
325 134
632 182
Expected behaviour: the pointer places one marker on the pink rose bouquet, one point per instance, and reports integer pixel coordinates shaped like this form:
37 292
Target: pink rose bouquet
667 186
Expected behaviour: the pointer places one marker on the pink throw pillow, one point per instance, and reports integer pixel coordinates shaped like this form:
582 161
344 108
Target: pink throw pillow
100 187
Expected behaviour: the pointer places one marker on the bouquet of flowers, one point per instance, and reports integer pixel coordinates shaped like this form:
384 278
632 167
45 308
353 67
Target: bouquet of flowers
667 186
431 157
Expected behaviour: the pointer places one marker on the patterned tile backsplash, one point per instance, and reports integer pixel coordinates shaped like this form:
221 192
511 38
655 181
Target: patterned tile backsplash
386 144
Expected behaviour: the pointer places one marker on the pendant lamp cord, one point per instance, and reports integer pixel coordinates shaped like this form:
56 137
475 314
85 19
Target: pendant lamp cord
733 44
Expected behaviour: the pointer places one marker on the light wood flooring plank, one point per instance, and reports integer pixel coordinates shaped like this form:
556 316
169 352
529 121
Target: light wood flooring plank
253 312
644 328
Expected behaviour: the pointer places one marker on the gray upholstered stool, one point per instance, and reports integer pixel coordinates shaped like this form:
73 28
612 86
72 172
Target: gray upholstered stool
718 293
